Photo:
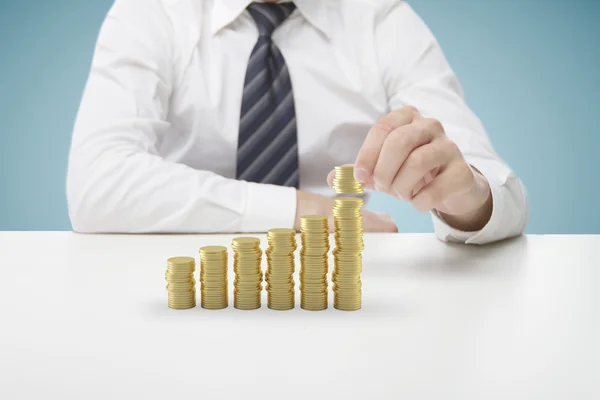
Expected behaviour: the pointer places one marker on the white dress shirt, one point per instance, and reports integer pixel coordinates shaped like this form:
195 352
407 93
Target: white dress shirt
155 141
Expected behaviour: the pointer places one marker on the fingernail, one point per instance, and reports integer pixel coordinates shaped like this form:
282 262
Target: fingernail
361 175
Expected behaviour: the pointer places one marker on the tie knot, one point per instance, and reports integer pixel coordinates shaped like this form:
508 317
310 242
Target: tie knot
268 16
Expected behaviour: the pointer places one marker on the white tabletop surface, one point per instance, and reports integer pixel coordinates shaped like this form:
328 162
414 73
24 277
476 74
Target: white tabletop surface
86 317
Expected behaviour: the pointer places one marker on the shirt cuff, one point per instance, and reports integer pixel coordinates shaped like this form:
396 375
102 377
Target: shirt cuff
497 175
269 206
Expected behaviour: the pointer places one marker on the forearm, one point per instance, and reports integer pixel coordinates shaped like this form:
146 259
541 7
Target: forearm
141 192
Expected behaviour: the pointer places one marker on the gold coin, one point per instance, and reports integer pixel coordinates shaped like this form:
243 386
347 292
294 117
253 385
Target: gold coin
304 288
181 261
181 283
313 263
250 278
247 307
183 307
315 240
206 250
316 265
247 258
214 307
313 308
314 304
242 295
246 241
347 296
281 308
181 301
275 232
346 299
345 281
347 302
348 201
213 294
314 278
347 308
313 273
220 284
310 218
187 290
346 254
280 289
316 295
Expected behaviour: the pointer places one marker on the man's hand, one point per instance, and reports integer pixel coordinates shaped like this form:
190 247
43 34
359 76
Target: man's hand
411 158
314 204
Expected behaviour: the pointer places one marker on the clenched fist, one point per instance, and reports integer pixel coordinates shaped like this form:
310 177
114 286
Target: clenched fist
410 157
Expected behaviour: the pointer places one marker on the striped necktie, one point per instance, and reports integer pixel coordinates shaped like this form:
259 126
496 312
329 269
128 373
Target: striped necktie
268 142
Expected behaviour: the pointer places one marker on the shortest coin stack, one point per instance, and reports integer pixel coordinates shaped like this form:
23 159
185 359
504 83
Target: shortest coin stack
181 285
280 271
248 273
313 262
213 277
344 182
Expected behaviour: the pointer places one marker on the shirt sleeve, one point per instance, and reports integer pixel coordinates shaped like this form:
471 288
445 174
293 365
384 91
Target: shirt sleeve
415 72
116 180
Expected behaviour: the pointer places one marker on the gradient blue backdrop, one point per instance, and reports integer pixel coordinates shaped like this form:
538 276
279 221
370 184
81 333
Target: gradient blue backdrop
530 69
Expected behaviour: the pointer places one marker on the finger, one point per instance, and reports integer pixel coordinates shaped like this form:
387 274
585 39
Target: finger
419 164
397 148
369 152
448 182
429 176
331 177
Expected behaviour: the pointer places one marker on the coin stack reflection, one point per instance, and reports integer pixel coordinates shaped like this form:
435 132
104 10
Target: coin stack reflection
344 182
248 273
313 262
280 270
181 285
213 277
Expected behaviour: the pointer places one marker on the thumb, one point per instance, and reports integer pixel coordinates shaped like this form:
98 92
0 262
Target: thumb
387 223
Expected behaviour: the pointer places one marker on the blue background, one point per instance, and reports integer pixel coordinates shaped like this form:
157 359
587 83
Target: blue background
530 70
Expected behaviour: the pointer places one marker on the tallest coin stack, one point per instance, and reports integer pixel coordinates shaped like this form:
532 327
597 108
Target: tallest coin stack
347 288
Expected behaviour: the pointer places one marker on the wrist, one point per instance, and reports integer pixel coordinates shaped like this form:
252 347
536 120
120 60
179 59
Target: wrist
479 199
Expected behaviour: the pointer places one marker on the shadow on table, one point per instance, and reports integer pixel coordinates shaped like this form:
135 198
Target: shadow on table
503 259
373 309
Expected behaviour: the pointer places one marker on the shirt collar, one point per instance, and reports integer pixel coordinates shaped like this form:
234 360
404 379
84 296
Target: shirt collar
316 13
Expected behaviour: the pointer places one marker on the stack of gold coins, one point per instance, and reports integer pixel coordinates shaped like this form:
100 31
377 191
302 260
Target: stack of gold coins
280 270
248 273
313 262
213 277
347 288
344 182
181 285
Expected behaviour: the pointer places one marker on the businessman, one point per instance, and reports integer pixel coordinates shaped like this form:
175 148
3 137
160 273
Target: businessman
229 116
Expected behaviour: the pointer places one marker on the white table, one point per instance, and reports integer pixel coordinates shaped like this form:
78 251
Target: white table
86 317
